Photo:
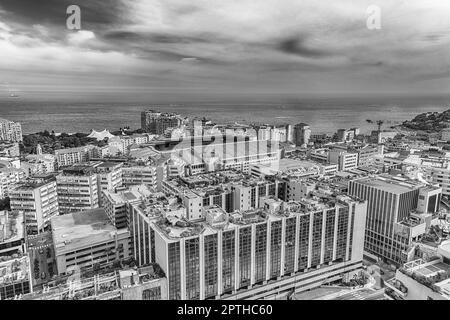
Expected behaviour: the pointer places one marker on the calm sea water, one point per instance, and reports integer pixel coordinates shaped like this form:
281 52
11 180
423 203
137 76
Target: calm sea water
323 115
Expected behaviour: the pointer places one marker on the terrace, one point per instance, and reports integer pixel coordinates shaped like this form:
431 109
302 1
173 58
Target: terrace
14 270
434 274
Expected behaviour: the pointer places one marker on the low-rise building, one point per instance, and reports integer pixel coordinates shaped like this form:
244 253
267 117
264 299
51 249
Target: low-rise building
87 238
9 149
38 164
421 280
345 160
15 277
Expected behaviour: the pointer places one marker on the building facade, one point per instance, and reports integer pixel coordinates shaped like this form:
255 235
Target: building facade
10 131
391 201
37 198
155 122
77 189
256 254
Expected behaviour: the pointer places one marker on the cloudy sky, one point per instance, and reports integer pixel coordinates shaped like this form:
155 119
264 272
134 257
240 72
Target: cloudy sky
224 47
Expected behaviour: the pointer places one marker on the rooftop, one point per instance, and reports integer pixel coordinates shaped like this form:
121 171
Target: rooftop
14 270
72 231
389 183
79 169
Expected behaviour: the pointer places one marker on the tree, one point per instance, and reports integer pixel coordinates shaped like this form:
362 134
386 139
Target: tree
5 204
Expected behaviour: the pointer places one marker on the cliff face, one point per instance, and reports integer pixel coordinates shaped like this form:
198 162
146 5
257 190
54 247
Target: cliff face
429 121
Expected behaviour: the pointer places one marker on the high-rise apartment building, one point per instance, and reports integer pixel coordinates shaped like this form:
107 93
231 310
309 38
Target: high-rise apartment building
156 122
10 131
77 189
302 134
38 200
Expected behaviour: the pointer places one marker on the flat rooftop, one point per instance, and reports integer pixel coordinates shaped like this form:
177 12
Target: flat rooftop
427 269
108 164
79 229
14 270
391 184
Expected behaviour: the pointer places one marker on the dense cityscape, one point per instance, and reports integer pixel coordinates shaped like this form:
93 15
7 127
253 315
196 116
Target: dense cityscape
190 209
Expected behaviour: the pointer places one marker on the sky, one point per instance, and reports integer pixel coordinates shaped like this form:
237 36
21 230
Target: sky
223 48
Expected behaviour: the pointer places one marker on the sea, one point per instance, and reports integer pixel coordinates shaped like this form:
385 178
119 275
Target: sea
324 115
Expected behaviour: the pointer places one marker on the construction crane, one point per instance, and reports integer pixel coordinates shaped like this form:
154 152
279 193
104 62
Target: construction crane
378 122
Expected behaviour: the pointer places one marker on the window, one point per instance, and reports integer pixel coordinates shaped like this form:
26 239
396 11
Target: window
152 294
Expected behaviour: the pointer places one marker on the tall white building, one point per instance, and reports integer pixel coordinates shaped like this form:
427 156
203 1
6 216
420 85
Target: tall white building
255 254
38 200
77 189
10 131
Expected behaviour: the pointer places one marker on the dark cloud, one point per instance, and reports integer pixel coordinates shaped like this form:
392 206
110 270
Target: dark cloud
297 46
94 13
152 37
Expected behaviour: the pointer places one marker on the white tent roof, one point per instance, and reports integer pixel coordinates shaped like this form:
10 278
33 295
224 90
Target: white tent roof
100 135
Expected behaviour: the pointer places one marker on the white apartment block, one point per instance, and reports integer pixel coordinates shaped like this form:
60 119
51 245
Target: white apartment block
440 176
70 156
8 178
77 189
38 200
149 175
10 131
344 160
